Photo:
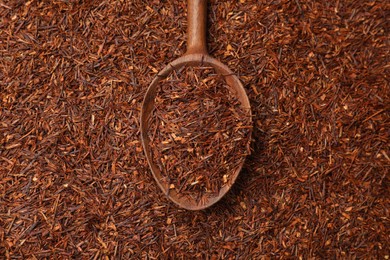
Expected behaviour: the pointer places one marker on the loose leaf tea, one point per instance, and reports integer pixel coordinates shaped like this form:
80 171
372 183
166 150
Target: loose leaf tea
74 180
199 131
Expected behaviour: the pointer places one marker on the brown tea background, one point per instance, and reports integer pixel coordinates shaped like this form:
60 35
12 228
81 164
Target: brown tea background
74 182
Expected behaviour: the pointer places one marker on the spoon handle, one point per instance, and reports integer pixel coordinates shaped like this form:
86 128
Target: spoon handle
197 22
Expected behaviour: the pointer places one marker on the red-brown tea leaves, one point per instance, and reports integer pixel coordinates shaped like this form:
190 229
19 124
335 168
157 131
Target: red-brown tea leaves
199 131
74 181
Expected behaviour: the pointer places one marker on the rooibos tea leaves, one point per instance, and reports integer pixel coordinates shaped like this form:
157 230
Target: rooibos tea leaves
199 132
